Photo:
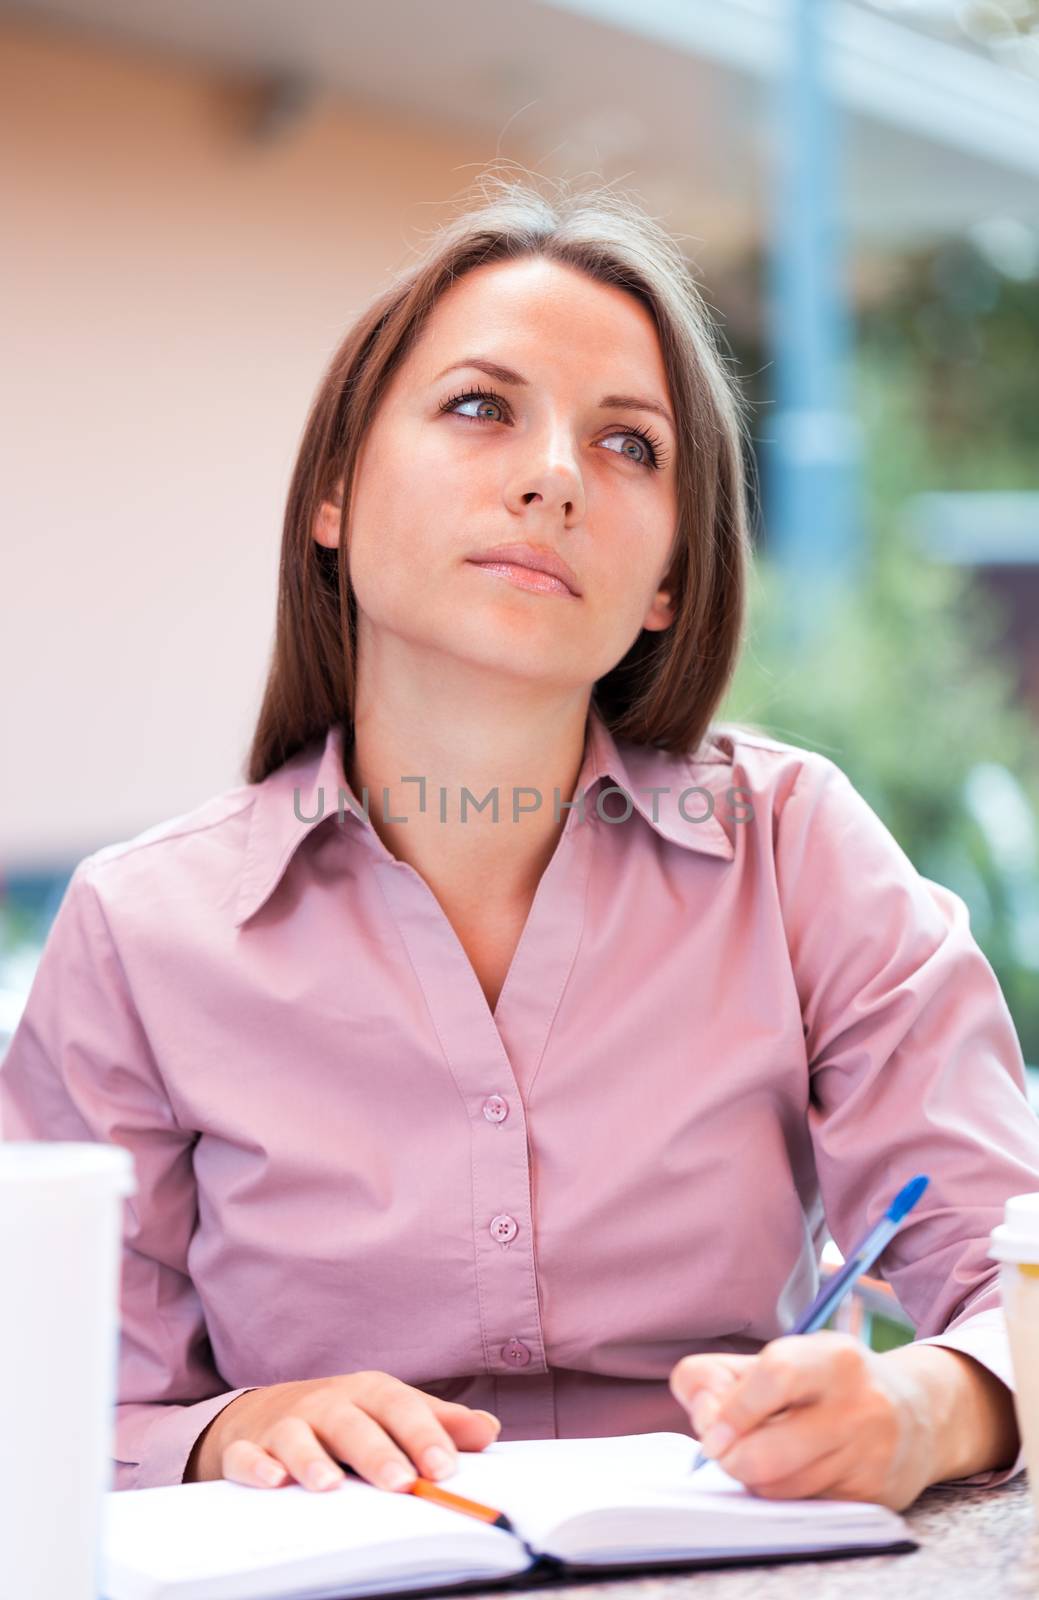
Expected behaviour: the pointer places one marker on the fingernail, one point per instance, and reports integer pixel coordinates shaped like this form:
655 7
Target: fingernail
717 1439
270 1472
395 1475
705 1409
321 1475
437 1461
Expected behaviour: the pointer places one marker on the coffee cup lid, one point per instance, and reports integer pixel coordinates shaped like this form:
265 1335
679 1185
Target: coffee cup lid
1016 1238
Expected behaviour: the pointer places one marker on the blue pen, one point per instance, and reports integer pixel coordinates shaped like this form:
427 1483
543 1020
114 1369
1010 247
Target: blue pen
862 1258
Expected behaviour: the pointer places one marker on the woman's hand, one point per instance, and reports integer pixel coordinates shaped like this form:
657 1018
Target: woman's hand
812 1415
383 1428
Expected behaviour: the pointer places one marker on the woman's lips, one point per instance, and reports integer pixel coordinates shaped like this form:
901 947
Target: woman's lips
526 578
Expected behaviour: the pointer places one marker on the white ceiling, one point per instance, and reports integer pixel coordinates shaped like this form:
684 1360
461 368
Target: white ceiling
670 96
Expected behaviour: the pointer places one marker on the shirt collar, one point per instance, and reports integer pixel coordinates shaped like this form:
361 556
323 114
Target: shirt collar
304 792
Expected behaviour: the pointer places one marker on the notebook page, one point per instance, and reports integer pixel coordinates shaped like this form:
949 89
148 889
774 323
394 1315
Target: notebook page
586 1498
541 1483
224 1541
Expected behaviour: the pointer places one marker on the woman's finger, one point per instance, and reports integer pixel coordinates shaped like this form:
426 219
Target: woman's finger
245 1462
469 1427
713 1372
705 1409
790 1371
820 1478
407 1417
785 1445
294 1441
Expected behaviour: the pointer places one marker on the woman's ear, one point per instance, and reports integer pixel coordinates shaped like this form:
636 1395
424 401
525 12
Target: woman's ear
326 524
661 613
328 517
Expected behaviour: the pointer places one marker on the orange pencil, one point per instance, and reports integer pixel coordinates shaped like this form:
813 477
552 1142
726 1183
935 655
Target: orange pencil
426 1489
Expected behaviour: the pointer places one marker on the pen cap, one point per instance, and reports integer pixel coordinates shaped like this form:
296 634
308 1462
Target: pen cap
1016 1238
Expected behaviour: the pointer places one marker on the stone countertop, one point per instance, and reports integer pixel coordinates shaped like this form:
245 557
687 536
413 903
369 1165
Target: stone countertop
974 1543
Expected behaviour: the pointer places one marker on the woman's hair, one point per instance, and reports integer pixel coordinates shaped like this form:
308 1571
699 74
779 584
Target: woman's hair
667 687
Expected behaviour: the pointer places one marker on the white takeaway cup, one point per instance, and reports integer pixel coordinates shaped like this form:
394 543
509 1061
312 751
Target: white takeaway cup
60 1245
1015 1245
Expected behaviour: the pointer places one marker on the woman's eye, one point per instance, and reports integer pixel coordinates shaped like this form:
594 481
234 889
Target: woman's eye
650 453
474 399
630 438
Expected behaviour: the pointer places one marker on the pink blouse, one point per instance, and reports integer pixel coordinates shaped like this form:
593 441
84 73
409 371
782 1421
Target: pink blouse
737 1016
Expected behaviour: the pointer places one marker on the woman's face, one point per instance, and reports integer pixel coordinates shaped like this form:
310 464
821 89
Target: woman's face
543 463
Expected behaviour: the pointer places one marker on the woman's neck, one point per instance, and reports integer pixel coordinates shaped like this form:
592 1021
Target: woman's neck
472 801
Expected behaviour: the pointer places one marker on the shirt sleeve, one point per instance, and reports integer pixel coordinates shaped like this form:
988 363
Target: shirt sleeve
79 1067
914 1065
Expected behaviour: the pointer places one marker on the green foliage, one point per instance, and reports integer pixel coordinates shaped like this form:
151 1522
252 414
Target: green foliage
950 348
887 1334
906 684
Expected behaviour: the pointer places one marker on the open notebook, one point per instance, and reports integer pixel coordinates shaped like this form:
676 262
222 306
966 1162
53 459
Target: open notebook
623 1503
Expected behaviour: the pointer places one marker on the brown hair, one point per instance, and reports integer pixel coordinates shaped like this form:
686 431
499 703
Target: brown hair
666 688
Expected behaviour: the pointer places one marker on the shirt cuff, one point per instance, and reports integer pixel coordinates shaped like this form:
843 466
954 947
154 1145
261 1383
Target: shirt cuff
153 1442
983 1336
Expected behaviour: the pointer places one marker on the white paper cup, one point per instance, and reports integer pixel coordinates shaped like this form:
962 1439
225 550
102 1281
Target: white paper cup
60 1246
1015 1245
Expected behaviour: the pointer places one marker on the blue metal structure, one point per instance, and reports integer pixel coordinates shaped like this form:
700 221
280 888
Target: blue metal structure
813 514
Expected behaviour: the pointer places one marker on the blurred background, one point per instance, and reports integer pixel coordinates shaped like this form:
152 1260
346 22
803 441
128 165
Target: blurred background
199 198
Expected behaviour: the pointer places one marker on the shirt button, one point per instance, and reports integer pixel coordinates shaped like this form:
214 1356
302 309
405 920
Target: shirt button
495 1109
504 1228
515 1353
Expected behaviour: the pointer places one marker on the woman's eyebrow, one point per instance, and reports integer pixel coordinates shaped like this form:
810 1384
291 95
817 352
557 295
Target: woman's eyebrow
623 402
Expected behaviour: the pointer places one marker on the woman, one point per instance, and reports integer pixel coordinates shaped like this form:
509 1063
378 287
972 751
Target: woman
496 1057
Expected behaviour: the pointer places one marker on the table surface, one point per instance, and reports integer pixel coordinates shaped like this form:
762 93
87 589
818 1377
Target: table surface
973 1543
